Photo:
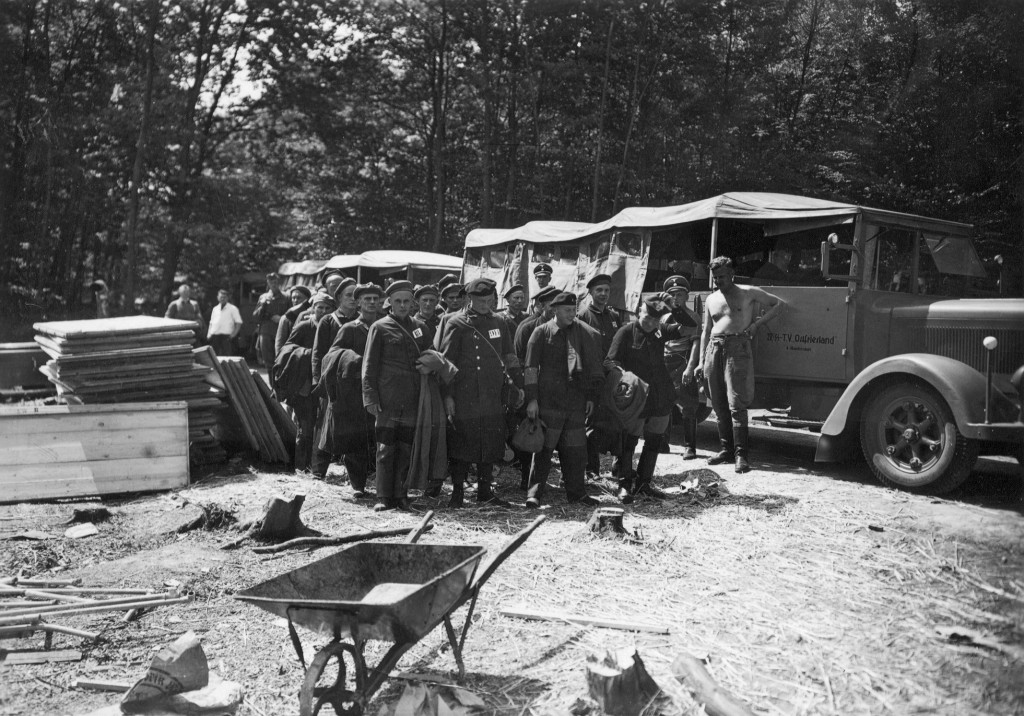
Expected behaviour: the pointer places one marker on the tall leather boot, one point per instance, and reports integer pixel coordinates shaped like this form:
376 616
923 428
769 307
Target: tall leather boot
525 467
539 477
484 489
741 434
626 487
690 437
645 467
728 451
458 470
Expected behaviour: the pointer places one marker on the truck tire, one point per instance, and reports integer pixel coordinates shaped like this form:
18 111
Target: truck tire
911 441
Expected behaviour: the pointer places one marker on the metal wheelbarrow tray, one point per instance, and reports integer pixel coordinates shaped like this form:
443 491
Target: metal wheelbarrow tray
376 591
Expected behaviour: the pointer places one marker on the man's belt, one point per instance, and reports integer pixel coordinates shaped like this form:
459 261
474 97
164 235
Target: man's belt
723 337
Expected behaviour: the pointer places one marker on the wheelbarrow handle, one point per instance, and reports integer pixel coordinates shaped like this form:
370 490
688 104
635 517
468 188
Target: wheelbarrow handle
420 528
505 552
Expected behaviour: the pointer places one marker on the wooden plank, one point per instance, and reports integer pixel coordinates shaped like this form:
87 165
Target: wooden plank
257 412
130 355
123 325
237 403
15 658
124 416
110 445
263 416
159 477
205 355
137 340
524 613
283 422
101 472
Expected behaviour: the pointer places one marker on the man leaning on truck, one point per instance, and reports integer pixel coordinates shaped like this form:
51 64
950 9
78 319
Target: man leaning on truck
727 358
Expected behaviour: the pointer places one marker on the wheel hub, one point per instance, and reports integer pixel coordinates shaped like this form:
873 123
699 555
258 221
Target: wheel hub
911 434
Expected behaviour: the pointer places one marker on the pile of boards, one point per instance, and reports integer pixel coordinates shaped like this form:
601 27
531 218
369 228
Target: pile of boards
261 421
134 359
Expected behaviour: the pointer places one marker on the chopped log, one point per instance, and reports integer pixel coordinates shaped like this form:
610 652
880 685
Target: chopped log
607 521
705 690
523 613
280 521
327 541
619 682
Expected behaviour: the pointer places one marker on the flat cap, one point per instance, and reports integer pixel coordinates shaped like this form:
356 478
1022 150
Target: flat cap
564 298
367 289
547 293
342 286
324 298
676 283
542 268
602 279
448 278
512 289
399 286
304 290
481 287
328 273
427 290
656 308
450 287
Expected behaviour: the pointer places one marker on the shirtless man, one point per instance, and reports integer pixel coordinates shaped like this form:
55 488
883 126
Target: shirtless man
726 357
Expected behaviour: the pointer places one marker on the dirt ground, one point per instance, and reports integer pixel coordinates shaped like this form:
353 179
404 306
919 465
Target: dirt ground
808 588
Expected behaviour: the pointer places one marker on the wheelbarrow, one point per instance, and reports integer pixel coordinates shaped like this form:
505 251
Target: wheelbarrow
388 592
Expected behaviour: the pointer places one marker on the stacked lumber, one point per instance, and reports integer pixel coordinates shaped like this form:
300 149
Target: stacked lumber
49 452
133 359
267 428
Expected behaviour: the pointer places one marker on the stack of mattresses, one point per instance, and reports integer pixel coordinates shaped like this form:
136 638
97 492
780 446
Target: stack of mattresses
134 359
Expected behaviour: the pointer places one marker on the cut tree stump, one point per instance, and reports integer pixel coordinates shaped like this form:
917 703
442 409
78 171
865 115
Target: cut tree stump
619 682
607 521
281 520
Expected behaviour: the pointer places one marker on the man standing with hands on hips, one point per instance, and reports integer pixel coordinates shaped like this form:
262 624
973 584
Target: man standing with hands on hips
727 358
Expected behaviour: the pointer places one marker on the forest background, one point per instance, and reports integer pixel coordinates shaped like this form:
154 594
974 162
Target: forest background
150 142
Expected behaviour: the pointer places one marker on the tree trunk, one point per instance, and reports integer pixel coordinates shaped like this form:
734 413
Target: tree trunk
131 230
596 188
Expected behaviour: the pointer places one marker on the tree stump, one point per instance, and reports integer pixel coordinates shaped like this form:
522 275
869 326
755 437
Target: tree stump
607 520
619 682
281 519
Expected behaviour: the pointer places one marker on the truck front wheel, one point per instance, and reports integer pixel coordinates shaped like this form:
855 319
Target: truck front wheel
911 441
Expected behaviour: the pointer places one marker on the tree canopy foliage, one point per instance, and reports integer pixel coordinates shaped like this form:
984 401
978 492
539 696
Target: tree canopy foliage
148 141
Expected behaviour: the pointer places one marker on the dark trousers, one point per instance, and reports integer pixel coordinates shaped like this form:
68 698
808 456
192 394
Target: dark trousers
395 435
574 461
305 423
221 344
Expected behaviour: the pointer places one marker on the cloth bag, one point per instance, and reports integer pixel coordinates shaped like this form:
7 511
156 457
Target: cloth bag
529 436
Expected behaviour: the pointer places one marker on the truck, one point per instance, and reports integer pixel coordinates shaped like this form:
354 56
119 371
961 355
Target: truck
894 343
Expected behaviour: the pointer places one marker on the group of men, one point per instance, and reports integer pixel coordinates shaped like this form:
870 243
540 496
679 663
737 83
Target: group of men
424 382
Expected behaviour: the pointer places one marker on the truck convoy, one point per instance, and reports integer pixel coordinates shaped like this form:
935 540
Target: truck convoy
880 348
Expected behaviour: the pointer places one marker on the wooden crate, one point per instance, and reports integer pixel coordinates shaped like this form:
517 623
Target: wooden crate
50 452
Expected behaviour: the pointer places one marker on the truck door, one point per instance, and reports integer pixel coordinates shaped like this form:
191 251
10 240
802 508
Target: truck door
807 342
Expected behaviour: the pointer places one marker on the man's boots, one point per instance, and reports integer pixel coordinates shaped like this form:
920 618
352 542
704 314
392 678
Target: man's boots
690 438
456 500
626 486
321 461
484 492
728 451
645 468
742 435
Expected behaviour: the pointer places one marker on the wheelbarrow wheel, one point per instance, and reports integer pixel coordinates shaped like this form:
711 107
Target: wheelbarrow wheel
313 697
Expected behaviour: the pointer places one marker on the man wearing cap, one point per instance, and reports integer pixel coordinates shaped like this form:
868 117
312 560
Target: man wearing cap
301 298
681 356
731 321
349 427
515 312
185 309
478 343
639 347
293 376
269 309
542 274
391 391
563 379
606 322
326 331
452 294
225 324
427 298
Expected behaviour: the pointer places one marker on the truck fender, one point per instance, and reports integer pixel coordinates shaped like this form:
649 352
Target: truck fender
960 385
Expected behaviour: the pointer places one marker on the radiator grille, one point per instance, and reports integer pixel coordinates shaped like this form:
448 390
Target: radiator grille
964 343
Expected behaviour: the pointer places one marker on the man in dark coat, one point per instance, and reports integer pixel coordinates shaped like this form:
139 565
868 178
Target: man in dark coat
301 298
605 320
271 306
478 343
542 275
293 375
639 348
349 426
326 331
515 311
563 379
681 358
391 392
